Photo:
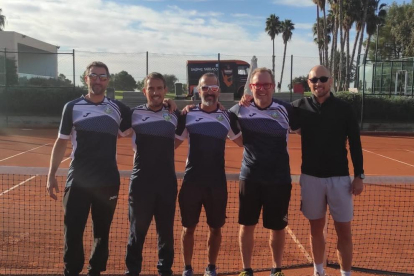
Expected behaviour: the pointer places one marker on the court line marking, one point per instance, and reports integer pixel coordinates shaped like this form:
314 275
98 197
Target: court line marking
15 186
301 247
21 183
24 152
410 151
411 165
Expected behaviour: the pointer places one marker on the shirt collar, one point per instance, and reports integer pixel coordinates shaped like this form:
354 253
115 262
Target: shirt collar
327 100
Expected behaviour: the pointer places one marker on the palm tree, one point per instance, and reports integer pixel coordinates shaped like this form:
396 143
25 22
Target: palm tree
273 29
340 13
318 31
375 17
2 21
352 11
286 28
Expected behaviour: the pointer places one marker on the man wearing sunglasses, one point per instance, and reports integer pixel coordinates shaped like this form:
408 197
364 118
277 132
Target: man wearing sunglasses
92 123
153 185
326 123
204 183
265 180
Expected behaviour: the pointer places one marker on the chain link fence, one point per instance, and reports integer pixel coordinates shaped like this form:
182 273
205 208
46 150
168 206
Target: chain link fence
29 80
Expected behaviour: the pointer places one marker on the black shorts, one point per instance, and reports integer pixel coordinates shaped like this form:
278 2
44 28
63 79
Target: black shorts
214 200
274 197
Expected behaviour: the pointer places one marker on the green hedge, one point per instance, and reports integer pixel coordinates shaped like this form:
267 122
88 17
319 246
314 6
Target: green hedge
30 101
381 108
50 101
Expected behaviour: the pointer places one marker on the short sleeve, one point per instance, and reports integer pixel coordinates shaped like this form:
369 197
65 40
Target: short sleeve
234 131
66 123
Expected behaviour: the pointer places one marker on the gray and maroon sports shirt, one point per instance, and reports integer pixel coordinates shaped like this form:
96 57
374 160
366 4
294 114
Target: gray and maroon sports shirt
153 143
93 130
265 135
207 133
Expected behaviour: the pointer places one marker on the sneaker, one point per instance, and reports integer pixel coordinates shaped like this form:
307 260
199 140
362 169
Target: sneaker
210 273
279 273
188 272
245 273
317 274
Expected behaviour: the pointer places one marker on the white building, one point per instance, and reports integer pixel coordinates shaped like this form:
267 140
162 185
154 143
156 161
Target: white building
34 58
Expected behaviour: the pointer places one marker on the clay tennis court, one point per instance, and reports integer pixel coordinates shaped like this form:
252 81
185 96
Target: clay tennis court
32 225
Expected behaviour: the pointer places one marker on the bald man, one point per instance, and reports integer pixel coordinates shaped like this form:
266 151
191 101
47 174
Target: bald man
325 124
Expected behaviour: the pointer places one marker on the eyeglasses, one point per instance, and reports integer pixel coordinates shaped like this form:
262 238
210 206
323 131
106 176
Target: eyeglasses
322 79
213 88
266 86
102 77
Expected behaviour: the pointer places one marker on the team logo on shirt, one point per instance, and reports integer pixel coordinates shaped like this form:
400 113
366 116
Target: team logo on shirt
220 117
108 110
274 114
166 116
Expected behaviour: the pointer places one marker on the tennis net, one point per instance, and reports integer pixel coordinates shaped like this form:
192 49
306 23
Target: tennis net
31 230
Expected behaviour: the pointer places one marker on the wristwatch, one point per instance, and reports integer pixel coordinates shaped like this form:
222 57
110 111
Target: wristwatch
362 176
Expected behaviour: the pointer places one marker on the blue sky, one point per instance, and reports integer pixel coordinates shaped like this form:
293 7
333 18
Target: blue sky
163 26
177 27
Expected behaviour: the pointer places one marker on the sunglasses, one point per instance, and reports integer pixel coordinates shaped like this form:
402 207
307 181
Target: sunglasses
213 88
322 79
268 85
93 76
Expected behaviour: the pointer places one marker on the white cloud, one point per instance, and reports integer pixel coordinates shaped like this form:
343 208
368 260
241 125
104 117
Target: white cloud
296 3
174 33
304 26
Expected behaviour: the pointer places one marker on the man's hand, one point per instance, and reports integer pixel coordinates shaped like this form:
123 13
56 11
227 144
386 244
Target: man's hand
187 108
172 106
52 184
245 100
357 186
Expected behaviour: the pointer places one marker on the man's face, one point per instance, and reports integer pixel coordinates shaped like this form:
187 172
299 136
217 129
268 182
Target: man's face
97 80
155 91
262 87
315 81
209 91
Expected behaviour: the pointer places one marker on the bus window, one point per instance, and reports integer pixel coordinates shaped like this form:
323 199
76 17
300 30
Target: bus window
242 70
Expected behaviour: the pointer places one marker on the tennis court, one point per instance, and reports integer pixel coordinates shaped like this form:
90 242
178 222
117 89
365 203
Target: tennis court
31 227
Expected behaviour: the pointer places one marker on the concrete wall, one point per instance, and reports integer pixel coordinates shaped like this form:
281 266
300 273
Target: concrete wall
32 64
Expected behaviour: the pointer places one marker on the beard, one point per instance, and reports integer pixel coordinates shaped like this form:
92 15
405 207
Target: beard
98 89
209 100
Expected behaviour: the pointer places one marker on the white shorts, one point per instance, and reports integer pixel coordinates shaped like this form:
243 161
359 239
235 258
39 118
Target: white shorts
318 192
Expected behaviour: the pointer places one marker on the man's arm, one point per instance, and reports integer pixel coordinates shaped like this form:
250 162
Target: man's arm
58 152
355 148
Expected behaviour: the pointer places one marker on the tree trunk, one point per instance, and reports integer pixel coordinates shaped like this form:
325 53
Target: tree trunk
333 51
283 64
325 39
348 69
354 48
361 40
273 58
342 46
367 47
318 34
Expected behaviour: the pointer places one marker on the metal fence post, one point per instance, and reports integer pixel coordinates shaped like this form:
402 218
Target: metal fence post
147 64
291 77
363 95
73 66
6 109
218 72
